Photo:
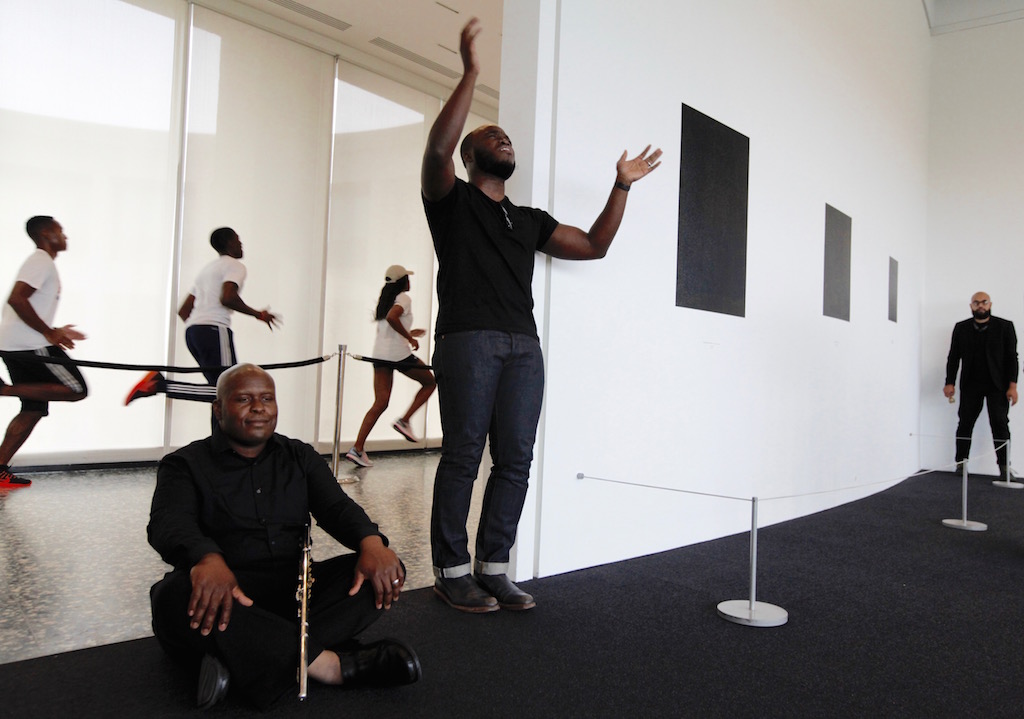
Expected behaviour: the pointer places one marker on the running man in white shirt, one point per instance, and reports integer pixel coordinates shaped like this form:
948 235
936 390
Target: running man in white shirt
207 316
26 333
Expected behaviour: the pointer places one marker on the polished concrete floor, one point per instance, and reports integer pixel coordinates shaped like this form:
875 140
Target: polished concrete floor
75 567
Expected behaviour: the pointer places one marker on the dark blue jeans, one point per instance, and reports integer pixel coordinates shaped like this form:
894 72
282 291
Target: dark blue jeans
488 383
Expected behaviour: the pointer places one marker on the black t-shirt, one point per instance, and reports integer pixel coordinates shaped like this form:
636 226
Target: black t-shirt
485 255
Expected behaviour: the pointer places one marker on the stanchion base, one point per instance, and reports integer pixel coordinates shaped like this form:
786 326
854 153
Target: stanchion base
967 524
762 615
1008 485
350 479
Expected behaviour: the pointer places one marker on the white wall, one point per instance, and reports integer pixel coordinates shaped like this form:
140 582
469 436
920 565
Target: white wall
834 98
976 216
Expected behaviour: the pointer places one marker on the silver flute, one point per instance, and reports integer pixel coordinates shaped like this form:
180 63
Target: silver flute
302 597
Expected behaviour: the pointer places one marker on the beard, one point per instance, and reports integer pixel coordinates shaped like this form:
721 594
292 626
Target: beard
494 165
982 314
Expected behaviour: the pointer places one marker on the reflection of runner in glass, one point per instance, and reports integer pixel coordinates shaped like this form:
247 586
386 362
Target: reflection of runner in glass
207 315
27 329
394 338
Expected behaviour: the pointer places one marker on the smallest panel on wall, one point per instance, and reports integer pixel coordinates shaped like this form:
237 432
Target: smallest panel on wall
711 259
838 234
894 283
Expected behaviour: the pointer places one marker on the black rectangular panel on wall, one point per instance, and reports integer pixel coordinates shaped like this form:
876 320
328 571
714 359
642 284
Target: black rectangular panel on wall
711 260
838 233
894 285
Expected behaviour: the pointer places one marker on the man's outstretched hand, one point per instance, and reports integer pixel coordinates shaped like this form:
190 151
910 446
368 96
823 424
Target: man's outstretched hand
467 46
630 171
63 336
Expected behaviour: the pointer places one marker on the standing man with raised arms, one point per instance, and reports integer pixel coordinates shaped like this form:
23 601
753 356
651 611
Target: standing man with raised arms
487 357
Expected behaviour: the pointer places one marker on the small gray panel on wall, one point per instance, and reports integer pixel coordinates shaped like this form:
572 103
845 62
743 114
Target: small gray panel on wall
711 259
838 232
894 285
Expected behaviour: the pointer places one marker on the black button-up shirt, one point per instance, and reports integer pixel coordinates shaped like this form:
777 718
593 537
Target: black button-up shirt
254 512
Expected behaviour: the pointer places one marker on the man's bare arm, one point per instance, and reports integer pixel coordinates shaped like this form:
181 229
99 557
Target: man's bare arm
437 175
58 336
572 243
185 311
230 298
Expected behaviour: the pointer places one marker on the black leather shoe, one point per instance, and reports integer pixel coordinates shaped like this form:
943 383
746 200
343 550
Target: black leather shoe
465 594
213 682
387 663
509 596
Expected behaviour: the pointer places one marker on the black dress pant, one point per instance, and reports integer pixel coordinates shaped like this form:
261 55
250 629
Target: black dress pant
260 646
971 400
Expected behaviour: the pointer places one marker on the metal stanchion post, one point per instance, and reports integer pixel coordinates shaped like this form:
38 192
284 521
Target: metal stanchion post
336 452
753 613
965 523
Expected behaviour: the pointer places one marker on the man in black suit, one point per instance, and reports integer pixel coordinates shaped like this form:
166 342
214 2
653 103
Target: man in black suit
987 347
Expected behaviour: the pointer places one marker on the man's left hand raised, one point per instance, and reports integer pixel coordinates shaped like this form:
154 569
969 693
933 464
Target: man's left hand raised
632 170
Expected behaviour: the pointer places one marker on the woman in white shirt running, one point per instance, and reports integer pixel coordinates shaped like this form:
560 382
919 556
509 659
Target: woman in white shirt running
392 351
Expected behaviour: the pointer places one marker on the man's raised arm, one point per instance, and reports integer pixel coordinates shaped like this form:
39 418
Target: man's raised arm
572 243
437 176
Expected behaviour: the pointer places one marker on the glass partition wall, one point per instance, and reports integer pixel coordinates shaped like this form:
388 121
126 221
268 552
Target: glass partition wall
149 123
89 133
377 221
257 154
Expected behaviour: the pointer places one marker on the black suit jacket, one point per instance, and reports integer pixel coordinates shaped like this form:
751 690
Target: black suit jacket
1001 351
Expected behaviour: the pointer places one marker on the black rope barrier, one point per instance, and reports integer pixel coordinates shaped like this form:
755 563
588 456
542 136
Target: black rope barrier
149 367
389 363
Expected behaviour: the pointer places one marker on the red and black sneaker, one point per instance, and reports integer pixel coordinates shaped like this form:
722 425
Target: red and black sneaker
148 386
9 480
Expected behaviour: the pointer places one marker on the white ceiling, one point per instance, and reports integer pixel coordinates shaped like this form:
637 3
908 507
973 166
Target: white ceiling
952 15
422 36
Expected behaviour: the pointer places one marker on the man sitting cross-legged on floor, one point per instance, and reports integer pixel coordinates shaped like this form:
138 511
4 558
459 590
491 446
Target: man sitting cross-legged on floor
230 514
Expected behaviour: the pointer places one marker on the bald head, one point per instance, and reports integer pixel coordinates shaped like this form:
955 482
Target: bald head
235 373
246 408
